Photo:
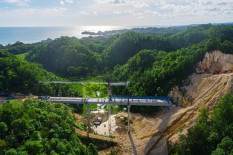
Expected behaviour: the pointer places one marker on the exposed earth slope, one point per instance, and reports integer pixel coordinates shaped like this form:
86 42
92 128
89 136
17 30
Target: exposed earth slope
150 135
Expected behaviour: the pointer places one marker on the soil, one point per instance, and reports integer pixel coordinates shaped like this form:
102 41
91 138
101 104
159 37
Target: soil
150 135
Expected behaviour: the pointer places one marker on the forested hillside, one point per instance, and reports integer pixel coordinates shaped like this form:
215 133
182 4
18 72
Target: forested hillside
36 127
66 56
17 75
158 72
103 54
150 62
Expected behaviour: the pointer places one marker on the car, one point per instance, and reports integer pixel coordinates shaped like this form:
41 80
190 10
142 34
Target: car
46 97
41 97
97 122
10 97
100 119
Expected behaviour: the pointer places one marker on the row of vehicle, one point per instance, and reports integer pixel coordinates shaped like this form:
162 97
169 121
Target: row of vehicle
43 97
8 96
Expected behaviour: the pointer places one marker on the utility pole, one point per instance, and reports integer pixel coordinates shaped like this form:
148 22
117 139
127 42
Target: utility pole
109 106
128 116
88 119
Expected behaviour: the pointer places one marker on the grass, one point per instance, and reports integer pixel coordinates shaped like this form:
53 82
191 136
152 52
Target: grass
22 56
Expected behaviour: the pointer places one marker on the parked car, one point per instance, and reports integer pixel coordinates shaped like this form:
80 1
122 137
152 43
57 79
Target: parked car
98 121
10 97
43 97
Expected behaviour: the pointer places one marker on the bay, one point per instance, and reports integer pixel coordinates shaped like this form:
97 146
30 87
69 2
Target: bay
10 35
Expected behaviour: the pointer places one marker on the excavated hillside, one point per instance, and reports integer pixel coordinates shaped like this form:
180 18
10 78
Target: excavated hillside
216 62
151 135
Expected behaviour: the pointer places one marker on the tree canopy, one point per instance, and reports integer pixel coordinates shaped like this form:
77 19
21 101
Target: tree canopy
36 127
212 134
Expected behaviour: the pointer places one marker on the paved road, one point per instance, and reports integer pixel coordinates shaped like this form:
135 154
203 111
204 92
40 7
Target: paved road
138 102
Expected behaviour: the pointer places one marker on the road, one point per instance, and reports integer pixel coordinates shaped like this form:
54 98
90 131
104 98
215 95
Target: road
93 136
132 102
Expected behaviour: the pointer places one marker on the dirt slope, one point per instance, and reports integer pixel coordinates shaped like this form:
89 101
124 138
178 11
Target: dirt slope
149 135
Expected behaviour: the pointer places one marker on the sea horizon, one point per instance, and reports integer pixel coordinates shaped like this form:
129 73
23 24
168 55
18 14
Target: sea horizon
10 35
33 34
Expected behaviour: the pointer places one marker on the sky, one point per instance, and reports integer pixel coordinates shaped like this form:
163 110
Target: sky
17 13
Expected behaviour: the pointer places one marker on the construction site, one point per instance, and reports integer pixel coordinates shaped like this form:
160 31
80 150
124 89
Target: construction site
141 134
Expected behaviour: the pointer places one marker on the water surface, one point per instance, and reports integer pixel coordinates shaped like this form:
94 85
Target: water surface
9 35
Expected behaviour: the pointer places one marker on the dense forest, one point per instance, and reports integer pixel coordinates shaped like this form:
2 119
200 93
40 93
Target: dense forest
149 62
153 60
36 127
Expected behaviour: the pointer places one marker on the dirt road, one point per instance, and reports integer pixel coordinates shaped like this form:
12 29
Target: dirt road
93 136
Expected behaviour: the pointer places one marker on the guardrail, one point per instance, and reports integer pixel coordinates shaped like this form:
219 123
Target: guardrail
116 101
142 97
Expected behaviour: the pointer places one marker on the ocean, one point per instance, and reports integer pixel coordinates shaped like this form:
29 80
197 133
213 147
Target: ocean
10 35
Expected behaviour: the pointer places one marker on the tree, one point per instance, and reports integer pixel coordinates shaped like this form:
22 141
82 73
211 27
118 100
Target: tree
225 147
91 150
36 127
213 134
3 129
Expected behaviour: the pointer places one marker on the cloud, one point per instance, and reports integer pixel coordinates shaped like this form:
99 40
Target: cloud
167 11
193 8
119 12
34 17
62 9
110 1
66 1
118 1
17 2
222 3
141 5
62 2
103 1
84 13
69 1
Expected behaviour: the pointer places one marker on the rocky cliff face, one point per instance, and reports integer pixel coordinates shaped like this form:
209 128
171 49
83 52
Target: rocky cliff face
216 62
179 97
